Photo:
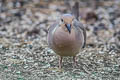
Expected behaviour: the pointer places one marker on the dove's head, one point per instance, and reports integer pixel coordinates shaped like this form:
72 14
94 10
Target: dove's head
67 20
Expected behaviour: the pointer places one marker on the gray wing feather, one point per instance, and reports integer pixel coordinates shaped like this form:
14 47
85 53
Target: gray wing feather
50 35
52 27
80 25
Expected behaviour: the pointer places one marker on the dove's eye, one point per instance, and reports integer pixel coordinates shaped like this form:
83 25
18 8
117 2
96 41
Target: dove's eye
62 20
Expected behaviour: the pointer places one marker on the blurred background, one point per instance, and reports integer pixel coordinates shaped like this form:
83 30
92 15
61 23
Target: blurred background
25 55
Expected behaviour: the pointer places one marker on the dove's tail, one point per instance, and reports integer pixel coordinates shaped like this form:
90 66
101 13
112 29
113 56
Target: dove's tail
75 10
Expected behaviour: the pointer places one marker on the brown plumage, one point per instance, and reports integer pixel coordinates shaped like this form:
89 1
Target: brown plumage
66 37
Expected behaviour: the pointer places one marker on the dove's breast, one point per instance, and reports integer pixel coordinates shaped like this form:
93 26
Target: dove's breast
65 43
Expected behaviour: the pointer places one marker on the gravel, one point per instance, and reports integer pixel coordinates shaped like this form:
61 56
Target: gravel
25 55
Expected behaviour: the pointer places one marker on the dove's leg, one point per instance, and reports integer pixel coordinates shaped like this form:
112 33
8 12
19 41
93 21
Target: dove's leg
60 62
74 60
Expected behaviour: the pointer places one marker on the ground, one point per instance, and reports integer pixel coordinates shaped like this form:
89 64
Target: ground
24 52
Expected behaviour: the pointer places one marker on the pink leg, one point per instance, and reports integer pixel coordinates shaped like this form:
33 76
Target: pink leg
60 62
74 60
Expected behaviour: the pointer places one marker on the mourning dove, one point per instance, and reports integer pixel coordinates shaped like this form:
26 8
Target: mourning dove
66 37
